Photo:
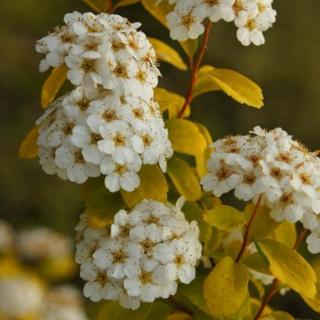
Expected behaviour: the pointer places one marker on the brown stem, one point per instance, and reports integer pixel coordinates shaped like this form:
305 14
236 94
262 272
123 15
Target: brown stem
267 298
195 68
108 6
276 282
247 230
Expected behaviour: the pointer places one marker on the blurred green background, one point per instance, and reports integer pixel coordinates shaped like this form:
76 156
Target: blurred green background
287 68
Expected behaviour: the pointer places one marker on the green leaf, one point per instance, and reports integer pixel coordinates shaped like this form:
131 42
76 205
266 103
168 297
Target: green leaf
225 218
113 311
235 85
184 179
97 5
190 47
289 267
170 101
101 205
52 85
159 311
29 147
186 137
167 54
193 211
263 225
286 233
153 185
125 3
179 316
256 262
226 287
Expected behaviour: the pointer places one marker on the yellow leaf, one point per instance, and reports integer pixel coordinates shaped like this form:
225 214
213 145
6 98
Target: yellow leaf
234 84
179 316
159 9
52 85
160 311
204 83
286 233
184 179
153 185
29 148
289 267
190 47
167 54
170 101
263 225
101 205
314 302
113 311
186 137
256 262
226 287
125 3
225 218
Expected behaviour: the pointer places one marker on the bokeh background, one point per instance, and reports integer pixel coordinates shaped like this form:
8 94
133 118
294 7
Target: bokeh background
287 68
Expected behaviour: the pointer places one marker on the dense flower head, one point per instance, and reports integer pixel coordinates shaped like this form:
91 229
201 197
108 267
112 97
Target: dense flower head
251 17
83 136
109 124
102 50
141 256
274 166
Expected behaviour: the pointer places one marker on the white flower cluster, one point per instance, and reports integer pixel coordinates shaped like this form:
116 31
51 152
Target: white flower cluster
141 256
109 124
42 243
19 296
62 302
251 17
277 168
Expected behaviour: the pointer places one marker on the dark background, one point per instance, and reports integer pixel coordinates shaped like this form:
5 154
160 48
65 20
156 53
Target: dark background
287 68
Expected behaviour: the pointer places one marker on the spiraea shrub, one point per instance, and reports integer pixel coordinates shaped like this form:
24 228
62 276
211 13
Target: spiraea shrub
156 240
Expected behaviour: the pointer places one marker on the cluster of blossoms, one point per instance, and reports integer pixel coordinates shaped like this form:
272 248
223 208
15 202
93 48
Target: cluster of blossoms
251 17
109 124
141 256
273 167
22 297
41 244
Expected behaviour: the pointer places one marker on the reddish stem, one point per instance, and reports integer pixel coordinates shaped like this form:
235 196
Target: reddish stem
247 230
276 282
108 6
195 68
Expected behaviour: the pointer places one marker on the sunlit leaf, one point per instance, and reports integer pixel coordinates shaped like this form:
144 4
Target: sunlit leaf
226 287
289 267
29 148
184 179
234 84
153 185
286 233
179 316
170 101
167 54
52 85
186 137
278 315
225 218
